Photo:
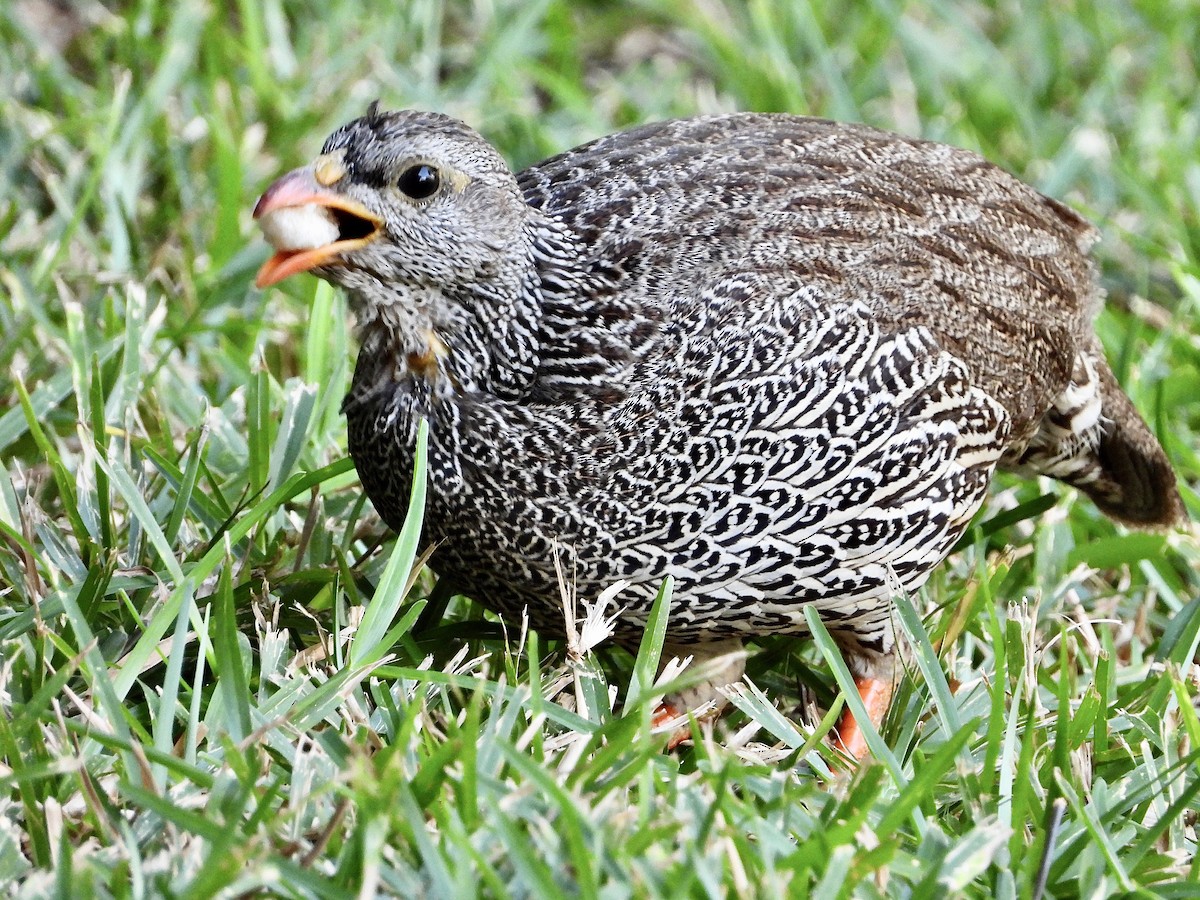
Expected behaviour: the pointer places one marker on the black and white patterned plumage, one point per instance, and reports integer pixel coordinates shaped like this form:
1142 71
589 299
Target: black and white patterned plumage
776 358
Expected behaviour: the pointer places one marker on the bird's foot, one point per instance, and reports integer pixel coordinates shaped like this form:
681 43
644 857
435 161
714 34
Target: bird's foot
663 715
719 663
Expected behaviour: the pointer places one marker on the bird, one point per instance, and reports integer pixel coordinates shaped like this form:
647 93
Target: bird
776 358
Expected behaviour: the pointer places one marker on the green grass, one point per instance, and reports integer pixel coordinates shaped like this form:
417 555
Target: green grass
217 671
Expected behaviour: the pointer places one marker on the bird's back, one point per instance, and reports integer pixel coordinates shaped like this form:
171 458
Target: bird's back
921 234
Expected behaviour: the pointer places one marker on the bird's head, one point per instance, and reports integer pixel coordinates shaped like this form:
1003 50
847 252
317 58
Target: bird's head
397 207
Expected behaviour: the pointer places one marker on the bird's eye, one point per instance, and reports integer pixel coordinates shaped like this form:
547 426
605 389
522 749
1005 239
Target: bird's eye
420 181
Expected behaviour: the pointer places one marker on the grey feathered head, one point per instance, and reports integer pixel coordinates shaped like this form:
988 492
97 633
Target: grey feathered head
395 202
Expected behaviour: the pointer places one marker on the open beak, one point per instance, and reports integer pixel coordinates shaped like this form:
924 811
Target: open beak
309 225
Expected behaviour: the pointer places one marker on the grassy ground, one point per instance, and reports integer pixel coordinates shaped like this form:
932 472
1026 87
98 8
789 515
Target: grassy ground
184 552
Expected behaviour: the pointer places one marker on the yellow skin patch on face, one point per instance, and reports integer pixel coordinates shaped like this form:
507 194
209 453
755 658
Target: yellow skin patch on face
329 168
457 180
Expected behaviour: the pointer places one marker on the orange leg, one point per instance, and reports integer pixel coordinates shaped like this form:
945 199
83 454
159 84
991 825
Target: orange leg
721 663
876 696
663 714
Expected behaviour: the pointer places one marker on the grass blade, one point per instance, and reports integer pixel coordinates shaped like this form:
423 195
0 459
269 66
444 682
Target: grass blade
368 644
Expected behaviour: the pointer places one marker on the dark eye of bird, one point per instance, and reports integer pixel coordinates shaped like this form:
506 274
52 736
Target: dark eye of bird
419 181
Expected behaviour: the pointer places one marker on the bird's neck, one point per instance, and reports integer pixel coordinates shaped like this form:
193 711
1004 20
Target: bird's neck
477 340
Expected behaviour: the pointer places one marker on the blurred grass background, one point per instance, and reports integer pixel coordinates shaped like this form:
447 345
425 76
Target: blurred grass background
184 552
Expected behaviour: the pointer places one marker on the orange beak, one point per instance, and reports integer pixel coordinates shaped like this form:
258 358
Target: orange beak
356 225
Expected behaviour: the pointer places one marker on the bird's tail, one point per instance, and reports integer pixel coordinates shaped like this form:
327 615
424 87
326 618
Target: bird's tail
1094 439
1136 484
